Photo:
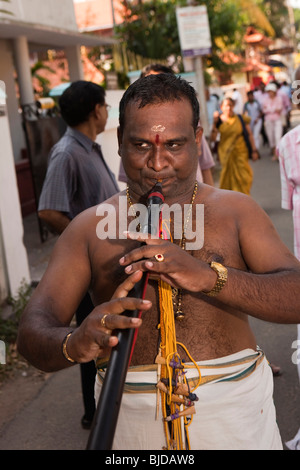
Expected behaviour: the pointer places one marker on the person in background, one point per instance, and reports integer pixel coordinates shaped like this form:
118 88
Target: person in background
236 173
238 101
272 110
212 104
286 110
153 69
253 109
289 163
77 178
260 94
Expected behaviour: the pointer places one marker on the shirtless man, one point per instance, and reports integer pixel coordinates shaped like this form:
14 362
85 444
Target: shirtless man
159 140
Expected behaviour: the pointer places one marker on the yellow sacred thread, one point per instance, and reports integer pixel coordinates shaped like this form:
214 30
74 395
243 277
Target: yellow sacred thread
169 352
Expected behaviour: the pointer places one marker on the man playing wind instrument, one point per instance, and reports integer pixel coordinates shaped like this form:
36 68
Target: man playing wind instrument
205 366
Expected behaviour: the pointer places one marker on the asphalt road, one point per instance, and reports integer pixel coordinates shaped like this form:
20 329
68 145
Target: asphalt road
50 418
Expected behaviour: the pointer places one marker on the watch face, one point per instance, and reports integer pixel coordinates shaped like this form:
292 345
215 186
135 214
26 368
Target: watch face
219 267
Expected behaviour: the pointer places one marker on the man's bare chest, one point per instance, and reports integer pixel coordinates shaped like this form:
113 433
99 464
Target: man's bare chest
220 244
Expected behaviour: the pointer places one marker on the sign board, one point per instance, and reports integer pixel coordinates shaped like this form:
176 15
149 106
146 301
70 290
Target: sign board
194 31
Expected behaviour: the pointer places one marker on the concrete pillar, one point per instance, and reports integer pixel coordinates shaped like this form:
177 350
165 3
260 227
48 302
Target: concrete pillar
75 64
22 62
7 69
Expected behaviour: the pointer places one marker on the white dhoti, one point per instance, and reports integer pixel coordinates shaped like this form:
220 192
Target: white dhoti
234 411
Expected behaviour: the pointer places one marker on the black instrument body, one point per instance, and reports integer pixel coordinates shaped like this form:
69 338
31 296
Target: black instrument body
106 415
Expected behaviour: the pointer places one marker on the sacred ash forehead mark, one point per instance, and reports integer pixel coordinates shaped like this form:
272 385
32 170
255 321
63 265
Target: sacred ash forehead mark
158 128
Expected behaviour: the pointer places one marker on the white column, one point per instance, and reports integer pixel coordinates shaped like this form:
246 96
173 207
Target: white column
73 55
15 263
22 61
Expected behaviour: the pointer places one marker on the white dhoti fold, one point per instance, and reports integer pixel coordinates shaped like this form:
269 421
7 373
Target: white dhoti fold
234 411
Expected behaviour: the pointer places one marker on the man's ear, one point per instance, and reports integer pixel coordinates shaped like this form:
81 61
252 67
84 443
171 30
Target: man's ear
97 109
199 135
119 136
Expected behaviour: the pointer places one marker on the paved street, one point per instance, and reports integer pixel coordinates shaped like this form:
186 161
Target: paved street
50 418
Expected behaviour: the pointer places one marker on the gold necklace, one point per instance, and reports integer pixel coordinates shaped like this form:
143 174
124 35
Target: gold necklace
138 227
176 293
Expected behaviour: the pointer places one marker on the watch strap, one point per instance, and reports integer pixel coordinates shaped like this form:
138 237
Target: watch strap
221 280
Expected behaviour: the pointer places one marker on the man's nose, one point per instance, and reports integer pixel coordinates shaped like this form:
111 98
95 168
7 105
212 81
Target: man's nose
158 158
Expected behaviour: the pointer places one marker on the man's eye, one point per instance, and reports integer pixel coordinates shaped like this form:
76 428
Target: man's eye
142 145
173 145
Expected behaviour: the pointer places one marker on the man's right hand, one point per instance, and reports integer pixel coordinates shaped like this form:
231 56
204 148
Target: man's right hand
95 337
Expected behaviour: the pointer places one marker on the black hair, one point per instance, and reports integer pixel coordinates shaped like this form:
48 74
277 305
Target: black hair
156 89
79 100
158 68
228 98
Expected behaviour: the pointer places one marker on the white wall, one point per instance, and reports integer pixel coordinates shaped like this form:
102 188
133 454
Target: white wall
7 75
56 13
108 139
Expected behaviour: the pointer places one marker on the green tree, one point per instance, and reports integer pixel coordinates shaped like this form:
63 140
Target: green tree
297 20
44 82
256 14
150 27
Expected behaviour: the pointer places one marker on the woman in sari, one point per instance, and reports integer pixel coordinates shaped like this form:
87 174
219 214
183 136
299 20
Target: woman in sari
236 173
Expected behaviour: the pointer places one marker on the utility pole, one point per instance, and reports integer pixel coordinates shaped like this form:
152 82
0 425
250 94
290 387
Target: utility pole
200 81
199 71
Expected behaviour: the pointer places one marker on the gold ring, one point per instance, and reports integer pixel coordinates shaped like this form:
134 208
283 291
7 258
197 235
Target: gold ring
160 258
103 324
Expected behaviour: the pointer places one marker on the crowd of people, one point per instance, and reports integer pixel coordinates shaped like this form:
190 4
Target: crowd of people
239 128
241 269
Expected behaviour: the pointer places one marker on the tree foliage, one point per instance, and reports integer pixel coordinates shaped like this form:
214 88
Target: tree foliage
277 14
150 27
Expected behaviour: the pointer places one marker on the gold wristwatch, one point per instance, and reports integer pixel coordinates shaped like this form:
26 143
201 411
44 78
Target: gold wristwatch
221 281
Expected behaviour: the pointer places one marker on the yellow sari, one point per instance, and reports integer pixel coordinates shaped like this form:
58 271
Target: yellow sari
236 173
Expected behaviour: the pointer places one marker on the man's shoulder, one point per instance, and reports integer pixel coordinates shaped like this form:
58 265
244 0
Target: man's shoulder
222 197
295 131
85 223
292 135
234 206
66 141
64 149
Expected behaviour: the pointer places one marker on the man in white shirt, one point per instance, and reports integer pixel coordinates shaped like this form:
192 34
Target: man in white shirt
238 101
253 109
